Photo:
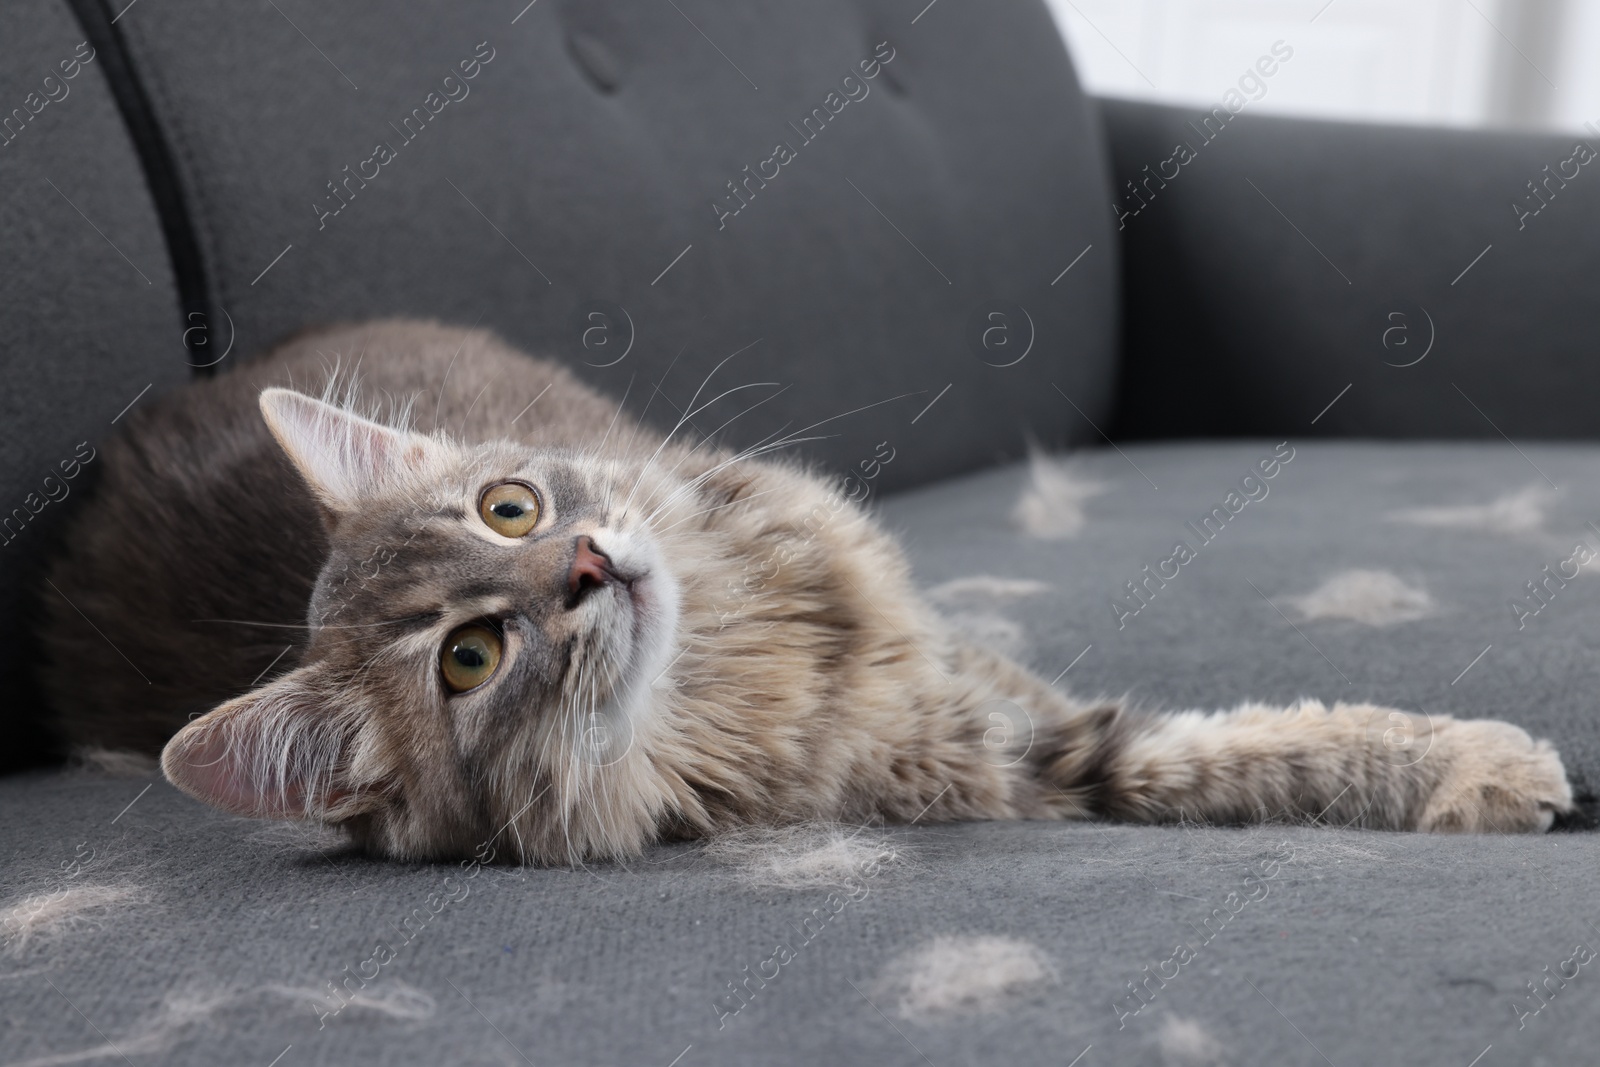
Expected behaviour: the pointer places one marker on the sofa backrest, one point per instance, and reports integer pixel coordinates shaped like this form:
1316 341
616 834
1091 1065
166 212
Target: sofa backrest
90 320
1304 278
897 207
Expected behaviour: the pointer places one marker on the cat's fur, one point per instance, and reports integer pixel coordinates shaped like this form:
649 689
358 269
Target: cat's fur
685 701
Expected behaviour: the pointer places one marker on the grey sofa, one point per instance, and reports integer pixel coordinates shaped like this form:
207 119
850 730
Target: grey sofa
960 255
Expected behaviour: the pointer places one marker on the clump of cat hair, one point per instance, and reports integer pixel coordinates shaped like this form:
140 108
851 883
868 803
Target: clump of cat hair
1051 508
1521 512
971 604
1370 597
1185 1043
799 857
114 763
183 1012
45 916
964 975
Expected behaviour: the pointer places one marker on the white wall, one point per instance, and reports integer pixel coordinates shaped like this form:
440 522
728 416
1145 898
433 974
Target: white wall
1524 63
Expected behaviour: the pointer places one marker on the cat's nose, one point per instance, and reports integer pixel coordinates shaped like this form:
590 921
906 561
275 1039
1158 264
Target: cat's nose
591 569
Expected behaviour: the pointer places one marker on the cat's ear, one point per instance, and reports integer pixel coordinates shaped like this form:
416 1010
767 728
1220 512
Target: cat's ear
278 753
345 458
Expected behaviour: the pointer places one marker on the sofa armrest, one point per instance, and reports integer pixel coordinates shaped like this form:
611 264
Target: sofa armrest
1438 283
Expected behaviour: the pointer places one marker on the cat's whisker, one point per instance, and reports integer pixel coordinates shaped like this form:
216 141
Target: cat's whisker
699 479
581 767
562 762
712 435
784 442
298 626
743 453
679 424
584 772
748 454
516 831
639 423
308 626
713 372
600 448
719 507
253 622
475 400
691 413
760 449
511 823
685 457
450 367
854 411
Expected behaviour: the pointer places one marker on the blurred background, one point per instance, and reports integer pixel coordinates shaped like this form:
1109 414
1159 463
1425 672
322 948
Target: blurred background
1524 64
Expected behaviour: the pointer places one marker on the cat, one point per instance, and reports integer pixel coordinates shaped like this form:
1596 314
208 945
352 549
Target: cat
506 615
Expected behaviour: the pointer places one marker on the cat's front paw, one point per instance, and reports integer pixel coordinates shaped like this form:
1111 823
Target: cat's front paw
1496 779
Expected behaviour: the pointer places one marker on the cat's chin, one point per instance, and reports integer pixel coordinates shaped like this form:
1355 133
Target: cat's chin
649 599
643 638
652 603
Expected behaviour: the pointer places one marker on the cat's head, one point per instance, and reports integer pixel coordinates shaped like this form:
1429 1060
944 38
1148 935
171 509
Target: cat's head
483 640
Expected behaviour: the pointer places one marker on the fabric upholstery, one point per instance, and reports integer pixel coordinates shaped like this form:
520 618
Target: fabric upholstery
1427 941
1289 259
89 320
1207 639
584 155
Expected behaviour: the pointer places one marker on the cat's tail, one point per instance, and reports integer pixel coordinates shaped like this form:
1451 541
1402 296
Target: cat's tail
1351 764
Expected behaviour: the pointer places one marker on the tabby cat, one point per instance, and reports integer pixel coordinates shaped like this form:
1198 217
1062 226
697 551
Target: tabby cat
507 615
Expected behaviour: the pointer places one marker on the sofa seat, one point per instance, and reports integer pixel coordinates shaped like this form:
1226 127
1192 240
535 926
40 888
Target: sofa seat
220 936
1468 525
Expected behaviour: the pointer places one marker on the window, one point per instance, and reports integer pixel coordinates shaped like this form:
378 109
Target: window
1519 63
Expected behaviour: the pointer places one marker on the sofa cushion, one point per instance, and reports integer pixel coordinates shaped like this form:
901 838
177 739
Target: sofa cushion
562 172
220 936
90 320
223 948
1442 538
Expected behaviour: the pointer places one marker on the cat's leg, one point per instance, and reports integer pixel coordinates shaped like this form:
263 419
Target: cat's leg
1359 764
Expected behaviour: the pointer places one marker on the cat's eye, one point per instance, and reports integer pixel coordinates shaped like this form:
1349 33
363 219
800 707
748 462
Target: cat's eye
510 508
469 657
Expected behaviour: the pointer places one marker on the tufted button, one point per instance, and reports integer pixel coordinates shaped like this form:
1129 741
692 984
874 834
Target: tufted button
889 73
595 60
892 79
